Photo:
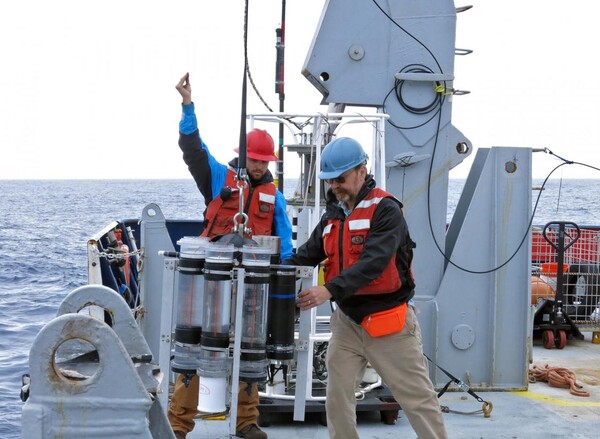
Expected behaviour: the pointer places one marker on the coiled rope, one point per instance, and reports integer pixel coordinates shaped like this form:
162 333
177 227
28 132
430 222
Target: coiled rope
557 377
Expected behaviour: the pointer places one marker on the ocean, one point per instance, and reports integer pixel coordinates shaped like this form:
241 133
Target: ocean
45 226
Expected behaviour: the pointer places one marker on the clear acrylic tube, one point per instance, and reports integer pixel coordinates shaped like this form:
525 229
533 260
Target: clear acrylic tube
189 304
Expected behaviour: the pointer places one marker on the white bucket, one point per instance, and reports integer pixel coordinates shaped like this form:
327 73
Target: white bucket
211 397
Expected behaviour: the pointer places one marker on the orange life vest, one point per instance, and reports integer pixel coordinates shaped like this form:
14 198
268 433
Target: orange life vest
259 206
353 236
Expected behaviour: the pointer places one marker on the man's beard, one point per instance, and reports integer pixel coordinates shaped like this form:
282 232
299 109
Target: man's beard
252 177
342 196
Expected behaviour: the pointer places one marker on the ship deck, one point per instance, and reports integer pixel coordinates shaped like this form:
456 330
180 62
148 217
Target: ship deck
540 412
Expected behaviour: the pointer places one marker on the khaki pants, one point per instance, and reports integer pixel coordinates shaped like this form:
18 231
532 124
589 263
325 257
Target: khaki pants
184 405
397 358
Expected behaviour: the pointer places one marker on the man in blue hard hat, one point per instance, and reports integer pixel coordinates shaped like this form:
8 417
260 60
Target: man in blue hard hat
364 240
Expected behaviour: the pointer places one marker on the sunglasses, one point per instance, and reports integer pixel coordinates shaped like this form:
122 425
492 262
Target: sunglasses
342 178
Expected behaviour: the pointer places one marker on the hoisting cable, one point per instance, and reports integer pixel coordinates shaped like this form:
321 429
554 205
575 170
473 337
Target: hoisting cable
240 219
280 90
280 45
486 406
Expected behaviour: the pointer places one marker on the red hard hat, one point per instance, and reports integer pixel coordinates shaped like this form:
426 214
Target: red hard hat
260 146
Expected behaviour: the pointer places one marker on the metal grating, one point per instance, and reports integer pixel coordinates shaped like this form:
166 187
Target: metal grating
581 272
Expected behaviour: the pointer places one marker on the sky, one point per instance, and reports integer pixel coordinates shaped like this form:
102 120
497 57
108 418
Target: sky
87 88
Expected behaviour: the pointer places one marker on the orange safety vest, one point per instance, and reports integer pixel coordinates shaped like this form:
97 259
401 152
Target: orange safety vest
353 237
259 206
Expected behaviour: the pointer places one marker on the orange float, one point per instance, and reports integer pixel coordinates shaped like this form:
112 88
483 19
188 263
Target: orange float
540 289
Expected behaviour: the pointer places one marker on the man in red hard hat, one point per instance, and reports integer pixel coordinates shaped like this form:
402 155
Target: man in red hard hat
266 210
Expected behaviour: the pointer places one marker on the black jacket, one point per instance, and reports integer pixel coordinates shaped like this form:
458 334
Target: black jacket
388 235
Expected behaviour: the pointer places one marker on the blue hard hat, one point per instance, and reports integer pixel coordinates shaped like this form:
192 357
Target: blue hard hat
341 155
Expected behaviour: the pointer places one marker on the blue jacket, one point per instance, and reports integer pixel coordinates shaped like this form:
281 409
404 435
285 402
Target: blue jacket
209 175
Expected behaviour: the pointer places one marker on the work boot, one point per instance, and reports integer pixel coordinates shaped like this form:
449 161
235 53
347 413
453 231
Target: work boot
251 432
179 434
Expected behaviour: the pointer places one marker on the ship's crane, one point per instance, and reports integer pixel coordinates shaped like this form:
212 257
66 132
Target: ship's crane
472 275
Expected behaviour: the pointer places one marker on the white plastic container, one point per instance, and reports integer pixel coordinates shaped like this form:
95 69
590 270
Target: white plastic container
211 397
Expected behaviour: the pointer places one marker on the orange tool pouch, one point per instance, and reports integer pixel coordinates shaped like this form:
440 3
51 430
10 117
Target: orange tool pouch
385 322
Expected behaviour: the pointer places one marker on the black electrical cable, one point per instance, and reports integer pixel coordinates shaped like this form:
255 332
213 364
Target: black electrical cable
399 83
409 34
392 123
578 163
435 104
438 105
525 235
